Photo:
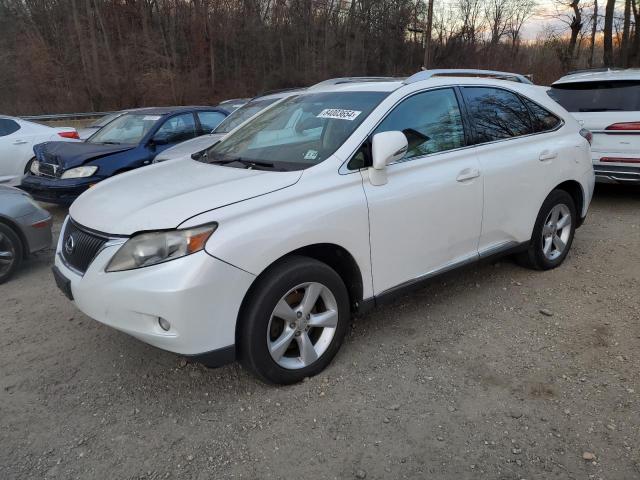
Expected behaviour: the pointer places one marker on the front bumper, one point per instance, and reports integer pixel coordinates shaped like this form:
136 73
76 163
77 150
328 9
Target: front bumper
199 295
56 190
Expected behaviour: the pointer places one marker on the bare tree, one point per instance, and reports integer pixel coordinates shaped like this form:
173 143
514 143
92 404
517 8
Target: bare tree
428 35
608 33
521 11
594 31
626 34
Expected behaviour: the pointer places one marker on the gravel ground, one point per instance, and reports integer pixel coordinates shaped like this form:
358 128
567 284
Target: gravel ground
495 372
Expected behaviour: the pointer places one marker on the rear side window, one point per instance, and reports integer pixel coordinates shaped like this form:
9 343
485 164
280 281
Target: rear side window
8 126
496 114
210 120
543 120
431 121
609 96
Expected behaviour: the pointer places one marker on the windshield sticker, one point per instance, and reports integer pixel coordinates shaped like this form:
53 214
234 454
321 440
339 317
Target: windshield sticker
151 117
339 114
311 155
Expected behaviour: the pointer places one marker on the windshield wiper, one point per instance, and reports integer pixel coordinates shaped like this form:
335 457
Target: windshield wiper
248 163
111 143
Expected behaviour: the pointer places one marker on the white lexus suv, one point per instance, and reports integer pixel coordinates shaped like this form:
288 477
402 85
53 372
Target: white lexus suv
607 102
323 205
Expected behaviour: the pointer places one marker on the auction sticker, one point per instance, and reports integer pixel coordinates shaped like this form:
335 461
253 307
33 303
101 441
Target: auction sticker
311 155
151 117
339 114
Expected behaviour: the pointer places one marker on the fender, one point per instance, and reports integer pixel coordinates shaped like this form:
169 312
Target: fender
322 207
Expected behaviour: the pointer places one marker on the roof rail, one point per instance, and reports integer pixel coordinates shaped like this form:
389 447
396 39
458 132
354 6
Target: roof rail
595 70
341 80
464 72
278 90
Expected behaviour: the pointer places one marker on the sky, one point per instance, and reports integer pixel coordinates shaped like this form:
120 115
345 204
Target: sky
537 24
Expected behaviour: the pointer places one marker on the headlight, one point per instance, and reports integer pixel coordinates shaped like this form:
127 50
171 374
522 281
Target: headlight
35 167
79 172
151 248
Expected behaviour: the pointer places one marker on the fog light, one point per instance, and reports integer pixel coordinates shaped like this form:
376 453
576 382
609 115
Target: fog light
164 324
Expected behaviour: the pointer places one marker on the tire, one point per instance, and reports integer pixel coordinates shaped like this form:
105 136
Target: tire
276 345
27 167
11 252
551 232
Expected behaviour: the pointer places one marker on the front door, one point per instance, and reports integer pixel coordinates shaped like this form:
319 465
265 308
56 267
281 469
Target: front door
428 216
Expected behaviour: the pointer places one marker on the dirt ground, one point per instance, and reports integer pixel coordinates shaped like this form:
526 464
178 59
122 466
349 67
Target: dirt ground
464 379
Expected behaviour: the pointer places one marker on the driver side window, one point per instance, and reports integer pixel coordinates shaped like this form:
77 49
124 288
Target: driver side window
178 129
431 121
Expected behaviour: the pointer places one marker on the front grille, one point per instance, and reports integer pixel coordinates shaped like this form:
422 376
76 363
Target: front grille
79 246
48 170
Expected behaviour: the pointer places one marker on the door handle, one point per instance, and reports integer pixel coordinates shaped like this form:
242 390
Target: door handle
468 174
547 155
20 142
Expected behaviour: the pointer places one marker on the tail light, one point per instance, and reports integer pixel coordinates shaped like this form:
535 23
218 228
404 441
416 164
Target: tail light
72 134
624 126
587 135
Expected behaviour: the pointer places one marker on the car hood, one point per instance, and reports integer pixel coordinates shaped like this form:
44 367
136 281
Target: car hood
190 146
73 154
164 195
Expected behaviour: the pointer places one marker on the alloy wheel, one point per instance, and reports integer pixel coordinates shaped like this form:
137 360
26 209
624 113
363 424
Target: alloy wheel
556 231
7 254
302 325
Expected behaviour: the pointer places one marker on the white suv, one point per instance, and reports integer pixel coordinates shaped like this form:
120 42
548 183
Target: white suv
607 102
325 204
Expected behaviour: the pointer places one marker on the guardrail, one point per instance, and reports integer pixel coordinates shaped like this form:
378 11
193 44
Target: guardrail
66 116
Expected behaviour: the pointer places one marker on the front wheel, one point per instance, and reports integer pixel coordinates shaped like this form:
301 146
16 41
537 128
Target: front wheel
552 234
27 167
10 252
294 321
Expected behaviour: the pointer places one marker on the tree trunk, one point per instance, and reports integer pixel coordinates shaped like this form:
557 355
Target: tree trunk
608 33
576 27
427 36
594 30
626 31
634 52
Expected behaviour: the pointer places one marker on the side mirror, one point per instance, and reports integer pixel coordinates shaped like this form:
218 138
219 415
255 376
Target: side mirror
160 139
386 148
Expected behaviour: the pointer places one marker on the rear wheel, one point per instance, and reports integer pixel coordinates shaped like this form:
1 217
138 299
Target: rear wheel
553 232
294 321
10 252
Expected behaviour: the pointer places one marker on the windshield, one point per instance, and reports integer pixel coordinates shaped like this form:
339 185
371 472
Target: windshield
102 121
242 114
130 128
298 133
623 96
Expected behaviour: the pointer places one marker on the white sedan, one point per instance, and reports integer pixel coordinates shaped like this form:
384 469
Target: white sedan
261 249
17 138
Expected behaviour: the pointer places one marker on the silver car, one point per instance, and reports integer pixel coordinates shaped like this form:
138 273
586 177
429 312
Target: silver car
25 228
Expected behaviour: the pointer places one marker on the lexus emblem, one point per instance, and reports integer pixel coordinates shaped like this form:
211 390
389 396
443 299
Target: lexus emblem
70 245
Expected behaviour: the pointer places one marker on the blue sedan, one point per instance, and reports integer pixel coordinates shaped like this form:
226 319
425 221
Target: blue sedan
61 171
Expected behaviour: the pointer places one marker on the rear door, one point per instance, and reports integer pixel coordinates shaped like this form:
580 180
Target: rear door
611 111
520 156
